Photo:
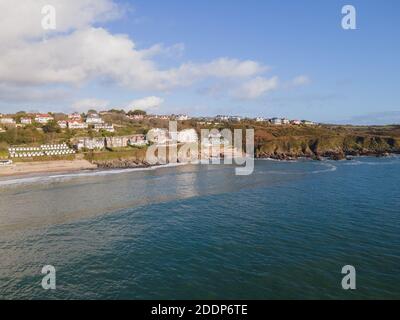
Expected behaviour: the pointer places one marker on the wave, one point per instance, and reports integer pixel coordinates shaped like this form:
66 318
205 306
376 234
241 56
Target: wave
330 168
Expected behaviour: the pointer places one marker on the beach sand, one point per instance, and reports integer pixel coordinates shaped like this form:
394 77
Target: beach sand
22 168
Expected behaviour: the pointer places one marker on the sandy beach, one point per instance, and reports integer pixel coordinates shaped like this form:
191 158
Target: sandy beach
22 168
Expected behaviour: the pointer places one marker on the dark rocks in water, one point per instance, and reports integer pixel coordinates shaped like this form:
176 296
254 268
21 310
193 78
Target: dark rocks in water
317 157
121 164
337 156
383 154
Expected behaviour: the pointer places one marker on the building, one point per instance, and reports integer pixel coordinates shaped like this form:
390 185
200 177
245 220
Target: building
77 125
26 121
94 118
105 127
136 117
235 118
7 121
90 143
44 150
187 136
276 121
117 142
4 163
295 122
43 118
222 118
62 124
74 117
157 135
260 119
285 121
182 117
138 140
308 123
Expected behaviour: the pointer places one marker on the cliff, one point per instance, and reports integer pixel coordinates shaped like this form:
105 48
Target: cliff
334 142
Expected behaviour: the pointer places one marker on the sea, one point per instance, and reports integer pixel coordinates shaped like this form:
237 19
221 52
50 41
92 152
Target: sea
201 232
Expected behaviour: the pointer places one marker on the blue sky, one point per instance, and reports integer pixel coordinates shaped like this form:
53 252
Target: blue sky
345 75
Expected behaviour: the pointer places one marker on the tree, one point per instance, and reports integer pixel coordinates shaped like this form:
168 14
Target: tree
137 112
51 127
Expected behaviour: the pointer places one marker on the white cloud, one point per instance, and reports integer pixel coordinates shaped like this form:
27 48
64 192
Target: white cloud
256 88
78 53
145 103
87 104
300 81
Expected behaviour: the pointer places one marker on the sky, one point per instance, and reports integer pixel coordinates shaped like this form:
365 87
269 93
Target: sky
251 58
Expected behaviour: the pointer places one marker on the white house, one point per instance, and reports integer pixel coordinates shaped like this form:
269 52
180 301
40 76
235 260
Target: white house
94 119
76 125
295 122
285 121
260 119
187 136
158 135
182 117
105 127
43 118
235 118
222 118
74 116
138 140
7 121
26 121
62 124
90 143
276 121
308 123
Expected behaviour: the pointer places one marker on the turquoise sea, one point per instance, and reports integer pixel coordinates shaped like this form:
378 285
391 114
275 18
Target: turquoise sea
200 232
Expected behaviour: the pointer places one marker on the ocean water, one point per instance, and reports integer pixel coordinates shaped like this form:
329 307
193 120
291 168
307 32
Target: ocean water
200 232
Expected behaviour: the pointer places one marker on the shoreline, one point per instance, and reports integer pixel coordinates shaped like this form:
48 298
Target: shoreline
27 169
22 169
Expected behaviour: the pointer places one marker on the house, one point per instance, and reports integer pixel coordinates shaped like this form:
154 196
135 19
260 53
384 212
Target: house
235 118
74 117
276 121
43 118
187 136
136 117
182 117
62 124
285 121
308 123
260 119
157 135
105 127
137 140
94 118
117 142
222 118
77 125
26 121
295 122
90 143
7 121
4 163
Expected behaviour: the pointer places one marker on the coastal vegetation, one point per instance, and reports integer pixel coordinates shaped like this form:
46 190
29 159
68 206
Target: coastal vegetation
272 141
